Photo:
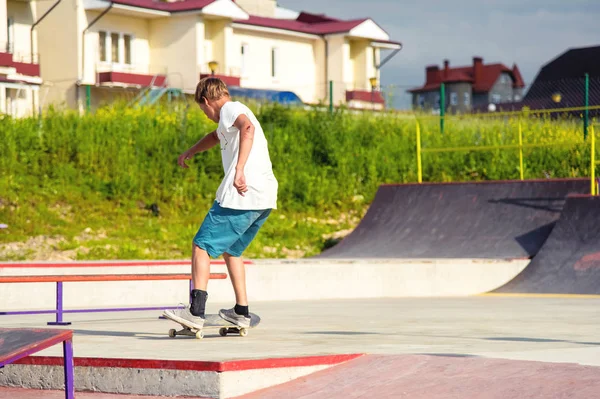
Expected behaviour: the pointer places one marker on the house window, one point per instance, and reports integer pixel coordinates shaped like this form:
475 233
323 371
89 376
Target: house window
114 46
496 98
421 101
127 39
467 99
102 46
274 61
10 34
453 98
244 55
375 58
436 103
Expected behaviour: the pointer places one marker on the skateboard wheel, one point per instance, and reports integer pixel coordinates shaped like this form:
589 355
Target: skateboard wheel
223 332
199 335
172 333
243 332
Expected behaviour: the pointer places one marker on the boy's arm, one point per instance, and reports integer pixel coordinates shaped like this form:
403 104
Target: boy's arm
207 142
246 129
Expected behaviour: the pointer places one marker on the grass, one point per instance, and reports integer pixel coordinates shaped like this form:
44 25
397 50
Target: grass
82 187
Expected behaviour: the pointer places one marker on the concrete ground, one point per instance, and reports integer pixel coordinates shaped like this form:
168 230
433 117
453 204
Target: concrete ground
561 329
21 393
440 377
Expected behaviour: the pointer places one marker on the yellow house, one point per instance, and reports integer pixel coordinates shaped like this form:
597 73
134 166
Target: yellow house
94 50
19 68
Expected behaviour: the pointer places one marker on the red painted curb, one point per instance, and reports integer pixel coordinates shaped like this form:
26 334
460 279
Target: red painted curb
234 365
107 264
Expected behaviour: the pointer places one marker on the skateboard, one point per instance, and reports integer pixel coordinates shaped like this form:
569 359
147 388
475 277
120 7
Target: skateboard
214 321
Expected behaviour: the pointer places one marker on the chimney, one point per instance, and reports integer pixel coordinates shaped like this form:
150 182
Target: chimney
477 69
432 74
446 67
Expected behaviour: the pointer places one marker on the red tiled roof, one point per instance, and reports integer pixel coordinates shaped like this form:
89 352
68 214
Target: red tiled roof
317 28
490 74
518 77
316 24
186 5
482 83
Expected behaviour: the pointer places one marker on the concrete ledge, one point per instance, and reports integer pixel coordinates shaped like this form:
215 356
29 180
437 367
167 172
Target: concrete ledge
270 280
166 378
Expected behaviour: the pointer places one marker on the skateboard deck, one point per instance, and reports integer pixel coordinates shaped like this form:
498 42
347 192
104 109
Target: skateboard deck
214 321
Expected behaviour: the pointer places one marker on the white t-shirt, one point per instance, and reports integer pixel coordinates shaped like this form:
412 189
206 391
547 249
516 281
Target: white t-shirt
261 182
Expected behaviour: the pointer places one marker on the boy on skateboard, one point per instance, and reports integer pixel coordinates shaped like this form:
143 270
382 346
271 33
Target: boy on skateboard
243 202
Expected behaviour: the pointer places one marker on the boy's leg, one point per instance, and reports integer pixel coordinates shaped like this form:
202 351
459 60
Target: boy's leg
237 273
200 268
213 237
200 277
240 314
193 316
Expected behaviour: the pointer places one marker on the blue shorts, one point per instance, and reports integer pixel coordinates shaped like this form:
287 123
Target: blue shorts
229 231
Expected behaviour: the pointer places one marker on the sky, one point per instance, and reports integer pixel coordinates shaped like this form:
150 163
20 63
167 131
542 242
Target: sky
528 33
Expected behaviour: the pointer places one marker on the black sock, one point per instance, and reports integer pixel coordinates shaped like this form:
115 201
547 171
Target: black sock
242 310
198 304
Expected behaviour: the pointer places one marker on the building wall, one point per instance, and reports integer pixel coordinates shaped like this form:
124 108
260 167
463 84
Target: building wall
358 60
3 30
481 99
263 8
336 67
458 97
23 16
213 48
426 101
502 91
58 38
295 63
177 44
458 91
219 45
140 46
320 78
18 100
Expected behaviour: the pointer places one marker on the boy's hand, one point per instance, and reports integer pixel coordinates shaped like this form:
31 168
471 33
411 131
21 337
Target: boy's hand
240 182
184 157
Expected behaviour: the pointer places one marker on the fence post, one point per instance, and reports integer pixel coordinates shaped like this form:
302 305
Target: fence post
419 167
521 150
586 102
59 307
442 106
331 97
88 98
593 190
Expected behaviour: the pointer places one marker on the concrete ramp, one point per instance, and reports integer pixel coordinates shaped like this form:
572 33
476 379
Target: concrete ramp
490 220
440 376
569 261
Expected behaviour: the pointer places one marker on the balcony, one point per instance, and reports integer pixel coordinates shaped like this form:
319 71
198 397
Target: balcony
375 97
130 75
231 76
20 63
6 59
27 69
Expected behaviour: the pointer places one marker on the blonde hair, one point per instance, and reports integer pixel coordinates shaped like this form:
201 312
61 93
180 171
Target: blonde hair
210 88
